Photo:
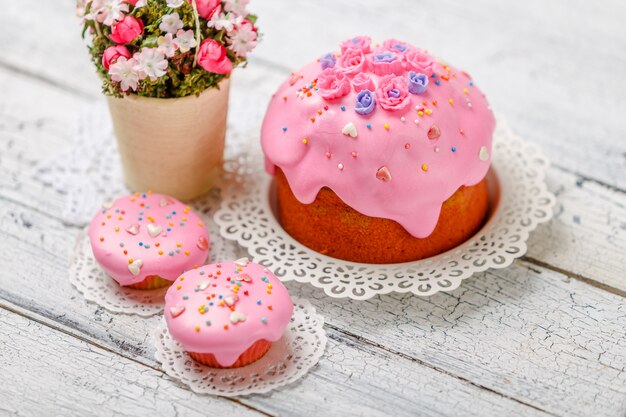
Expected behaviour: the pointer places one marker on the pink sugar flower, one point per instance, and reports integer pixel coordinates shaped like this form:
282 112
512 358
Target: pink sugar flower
353 61
393 93
332 83
358 42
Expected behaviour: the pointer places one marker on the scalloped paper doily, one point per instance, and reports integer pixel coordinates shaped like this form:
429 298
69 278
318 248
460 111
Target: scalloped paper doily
288 360
520 201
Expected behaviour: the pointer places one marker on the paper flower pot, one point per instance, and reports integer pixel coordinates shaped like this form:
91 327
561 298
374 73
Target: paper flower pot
172 146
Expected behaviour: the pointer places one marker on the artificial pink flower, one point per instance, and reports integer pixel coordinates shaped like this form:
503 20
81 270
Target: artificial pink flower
362 81
332 83
113 53
393 93
419 61
358 42
126 30
206 7
212 57
352 61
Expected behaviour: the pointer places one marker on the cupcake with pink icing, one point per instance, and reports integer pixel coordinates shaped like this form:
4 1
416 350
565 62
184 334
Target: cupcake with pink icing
380 153
146 240
227 315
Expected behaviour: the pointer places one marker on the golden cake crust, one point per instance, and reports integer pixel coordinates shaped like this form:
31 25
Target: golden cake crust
331 227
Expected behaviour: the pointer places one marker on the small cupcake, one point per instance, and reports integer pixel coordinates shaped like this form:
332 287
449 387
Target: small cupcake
145 241
227 315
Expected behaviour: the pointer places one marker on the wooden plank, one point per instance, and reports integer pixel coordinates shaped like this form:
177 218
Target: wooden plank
350 380
511 59
53 373
526 333
587 236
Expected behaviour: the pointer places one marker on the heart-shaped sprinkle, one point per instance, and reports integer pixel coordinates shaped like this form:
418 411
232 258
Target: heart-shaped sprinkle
203 285
244 278
107 205
349 130
133 229
177 311
242 262
434 132
154 229
483 155
202 243
237 316
135 266
166 201
230 300
293 78
383 174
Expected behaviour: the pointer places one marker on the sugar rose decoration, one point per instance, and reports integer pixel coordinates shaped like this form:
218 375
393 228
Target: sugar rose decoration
166 48
419 61
397 46
353 61
384 62
332 83
362 81
365 102
393 93
361 43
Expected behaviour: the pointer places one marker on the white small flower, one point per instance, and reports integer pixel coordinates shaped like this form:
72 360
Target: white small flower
150 63
171 23
236 6
243 39
81 5
108 11
221 21
140 3
123 71
185 40
167 45
174 3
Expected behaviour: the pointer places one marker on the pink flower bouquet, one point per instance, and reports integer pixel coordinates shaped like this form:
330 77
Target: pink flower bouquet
166 48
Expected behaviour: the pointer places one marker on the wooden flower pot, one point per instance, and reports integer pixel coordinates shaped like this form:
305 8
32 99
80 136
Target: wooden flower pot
171 146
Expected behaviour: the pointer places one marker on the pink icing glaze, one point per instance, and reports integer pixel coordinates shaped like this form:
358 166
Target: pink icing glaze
423 172
203 316
182 243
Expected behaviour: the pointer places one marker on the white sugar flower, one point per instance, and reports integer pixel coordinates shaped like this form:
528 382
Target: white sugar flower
108 11
140 3
166 45
123 71
221 21
243 39
185 40
236 6
174 3
171 23
150 63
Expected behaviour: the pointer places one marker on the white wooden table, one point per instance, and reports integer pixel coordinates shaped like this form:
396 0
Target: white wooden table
546 336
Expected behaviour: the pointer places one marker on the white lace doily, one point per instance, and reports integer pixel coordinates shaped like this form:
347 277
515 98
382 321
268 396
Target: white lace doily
288 359
246 216
96 286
